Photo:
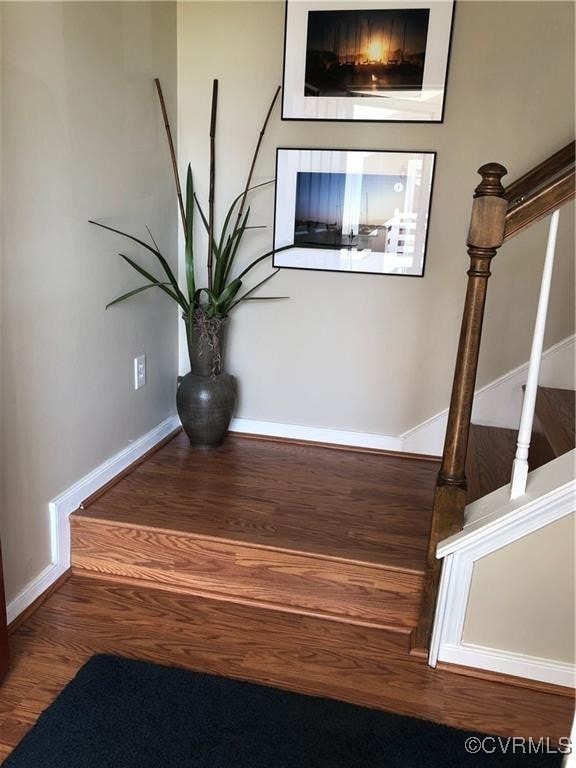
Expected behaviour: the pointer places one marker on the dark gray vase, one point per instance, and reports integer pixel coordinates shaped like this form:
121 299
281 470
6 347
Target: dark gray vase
206 397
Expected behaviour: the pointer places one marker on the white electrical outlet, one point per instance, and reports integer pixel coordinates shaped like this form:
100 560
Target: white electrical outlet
139 371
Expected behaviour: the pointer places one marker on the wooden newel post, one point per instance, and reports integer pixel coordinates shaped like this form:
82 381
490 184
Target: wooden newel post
485 236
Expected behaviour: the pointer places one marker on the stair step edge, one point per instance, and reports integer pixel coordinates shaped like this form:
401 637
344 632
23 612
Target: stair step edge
404 630
85 519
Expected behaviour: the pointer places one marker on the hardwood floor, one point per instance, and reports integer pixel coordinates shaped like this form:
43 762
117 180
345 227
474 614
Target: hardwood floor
357 664
345 504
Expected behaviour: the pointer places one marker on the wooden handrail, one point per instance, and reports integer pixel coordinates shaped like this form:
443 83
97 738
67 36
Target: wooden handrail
540 203
541 174
541 191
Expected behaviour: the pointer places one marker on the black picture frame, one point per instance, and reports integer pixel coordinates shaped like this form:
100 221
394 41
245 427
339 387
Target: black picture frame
366 60
353 210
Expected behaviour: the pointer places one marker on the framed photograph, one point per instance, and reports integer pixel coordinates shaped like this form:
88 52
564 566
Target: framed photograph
366 60
353 210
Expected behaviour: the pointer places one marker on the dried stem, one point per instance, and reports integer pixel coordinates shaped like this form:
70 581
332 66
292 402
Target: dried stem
255 157
172 153
212 175
210 338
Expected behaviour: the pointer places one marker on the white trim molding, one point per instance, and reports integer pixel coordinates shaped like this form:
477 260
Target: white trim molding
496 520
318 434
65 503
33 590
427 437
492 523
508 663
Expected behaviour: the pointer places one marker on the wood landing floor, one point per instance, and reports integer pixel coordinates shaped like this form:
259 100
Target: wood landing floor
340 503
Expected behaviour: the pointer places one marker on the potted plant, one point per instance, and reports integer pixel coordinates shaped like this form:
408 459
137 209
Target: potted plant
206 397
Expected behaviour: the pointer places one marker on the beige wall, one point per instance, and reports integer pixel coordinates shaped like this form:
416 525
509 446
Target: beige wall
522 597
369 353
81 138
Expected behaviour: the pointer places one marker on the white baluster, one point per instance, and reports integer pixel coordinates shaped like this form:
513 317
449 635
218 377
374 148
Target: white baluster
520 466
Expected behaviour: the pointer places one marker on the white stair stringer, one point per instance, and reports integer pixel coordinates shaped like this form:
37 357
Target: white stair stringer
492 523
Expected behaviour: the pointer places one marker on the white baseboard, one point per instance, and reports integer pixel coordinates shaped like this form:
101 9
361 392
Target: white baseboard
65 503
498 403
427 437
33 590
508 663
317 434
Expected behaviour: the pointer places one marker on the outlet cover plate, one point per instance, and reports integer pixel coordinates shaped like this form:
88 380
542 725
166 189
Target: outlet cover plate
139 371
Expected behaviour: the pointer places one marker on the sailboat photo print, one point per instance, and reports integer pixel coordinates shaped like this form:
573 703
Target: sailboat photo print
366 60
353 210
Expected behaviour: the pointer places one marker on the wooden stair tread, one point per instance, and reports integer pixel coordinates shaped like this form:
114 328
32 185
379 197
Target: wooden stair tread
556 411
339 504
489 460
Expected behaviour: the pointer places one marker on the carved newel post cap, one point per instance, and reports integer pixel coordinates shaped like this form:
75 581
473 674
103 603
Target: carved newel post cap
491 185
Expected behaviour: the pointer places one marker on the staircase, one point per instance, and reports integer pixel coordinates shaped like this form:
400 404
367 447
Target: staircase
491 450
295 565
334 534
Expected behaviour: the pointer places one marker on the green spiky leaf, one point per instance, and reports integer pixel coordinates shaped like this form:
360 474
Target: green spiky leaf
251 291
261 258
231 211
155 251
154 280
133 293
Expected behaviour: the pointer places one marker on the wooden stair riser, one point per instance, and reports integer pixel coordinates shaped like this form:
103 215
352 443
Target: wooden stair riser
491 452
351 592
541 452
555 418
